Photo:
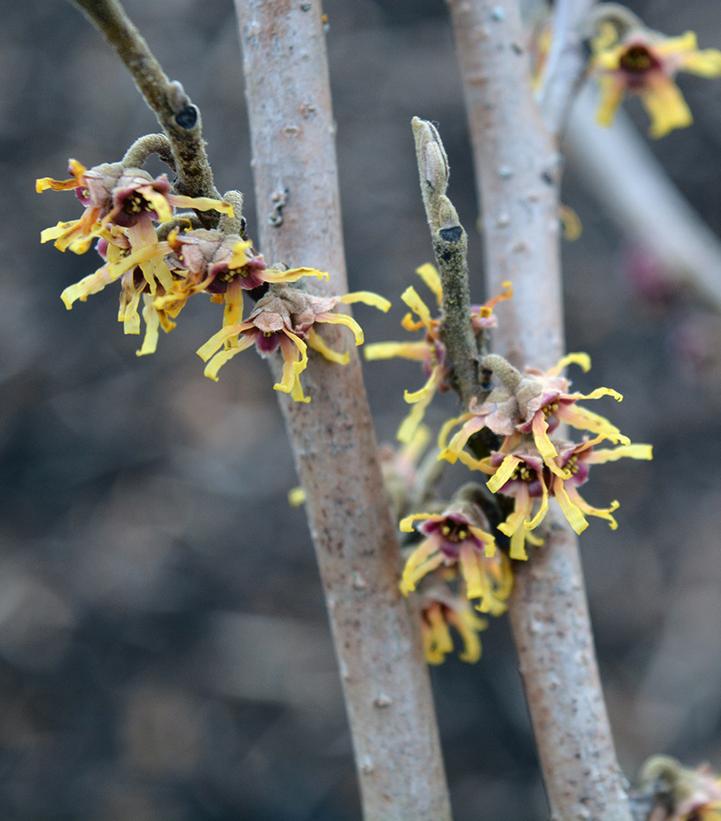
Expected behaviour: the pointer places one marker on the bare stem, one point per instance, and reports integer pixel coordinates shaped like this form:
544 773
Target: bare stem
385 680
566 61
620 170
517 171
178 117
450 247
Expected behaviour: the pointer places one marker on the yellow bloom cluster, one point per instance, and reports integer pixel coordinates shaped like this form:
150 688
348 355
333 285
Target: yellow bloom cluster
158 257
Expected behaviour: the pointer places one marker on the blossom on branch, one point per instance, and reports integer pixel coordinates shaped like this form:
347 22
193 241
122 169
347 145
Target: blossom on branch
644 63
534 403
459 537
287 319
430 351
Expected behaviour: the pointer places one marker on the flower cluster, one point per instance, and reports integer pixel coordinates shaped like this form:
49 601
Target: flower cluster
529 466
459 537
429 350
444 609
644 63
159 257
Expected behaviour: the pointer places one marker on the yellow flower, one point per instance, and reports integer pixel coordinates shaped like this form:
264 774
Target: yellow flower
285 318
458 537
518 470
534 403
645 63
441 611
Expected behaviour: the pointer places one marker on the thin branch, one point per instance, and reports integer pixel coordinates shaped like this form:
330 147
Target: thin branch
385 680
137 155
566 61
517 171
450 247
176 114
619 169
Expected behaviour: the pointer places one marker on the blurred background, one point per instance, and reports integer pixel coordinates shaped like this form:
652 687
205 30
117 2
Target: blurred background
164 649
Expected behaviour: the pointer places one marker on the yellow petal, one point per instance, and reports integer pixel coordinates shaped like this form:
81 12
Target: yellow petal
207 349
571 222
317 343
406 524
292 274
222 358
487 540
45 183
533 523
611 94
416 351
545 447
468 631
505 471
598 393
600 512
238 257
202 204
599 457
669 46
343 319
666 108
584 419
425 558
445 430
367 298
427 391
233 311
159 202
294 363
571 511
152 326
417 305
583 360
472 572
706 63
429 275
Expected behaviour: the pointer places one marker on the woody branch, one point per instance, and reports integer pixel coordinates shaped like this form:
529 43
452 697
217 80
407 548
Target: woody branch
384 677
517 171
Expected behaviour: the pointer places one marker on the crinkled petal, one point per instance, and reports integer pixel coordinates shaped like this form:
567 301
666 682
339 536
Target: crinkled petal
429 274
152 327
292 274
343 319
417 305
571 511
425 558
207 349
600 512
201 204
367 298
223 357
611 88
416 351
317 343
666 108
505 470
583 360
598 457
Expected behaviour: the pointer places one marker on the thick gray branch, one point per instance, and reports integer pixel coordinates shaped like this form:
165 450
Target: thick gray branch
384 676
517 175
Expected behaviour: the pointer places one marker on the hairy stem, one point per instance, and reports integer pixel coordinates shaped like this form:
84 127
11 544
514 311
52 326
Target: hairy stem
450 247
385 680
517 171
144 147
176 114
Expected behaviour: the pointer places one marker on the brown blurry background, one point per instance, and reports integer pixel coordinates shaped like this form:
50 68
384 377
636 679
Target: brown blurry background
164 650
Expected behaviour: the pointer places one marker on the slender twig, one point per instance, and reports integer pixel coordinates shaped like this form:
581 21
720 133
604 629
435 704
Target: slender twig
566 63
176 114
516 162
619 169
385 681
450 247
143 147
